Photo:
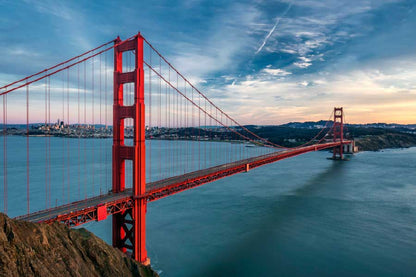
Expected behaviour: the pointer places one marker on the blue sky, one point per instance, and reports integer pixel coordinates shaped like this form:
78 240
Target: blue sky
264 62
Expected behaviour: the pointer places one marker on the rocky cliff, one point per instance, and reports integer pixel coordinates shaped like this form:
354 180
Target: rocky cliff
28 249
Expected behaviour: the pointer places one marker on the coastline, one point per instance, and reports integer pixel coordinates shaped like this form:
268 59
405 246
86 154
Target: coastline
365 143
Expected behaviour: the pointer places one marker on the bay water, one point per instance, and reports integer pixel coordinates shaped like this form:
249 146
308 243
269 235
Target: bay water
304 216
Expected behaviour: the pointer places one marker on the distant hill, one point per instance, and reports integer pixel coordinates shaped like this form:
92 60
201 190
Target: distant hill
317 124
307 124
368 137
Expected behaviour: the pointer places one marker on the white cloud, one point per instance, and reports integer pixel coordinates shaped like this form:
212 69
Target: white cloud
289 51
305 59
383 91
302 64
263 98
276 72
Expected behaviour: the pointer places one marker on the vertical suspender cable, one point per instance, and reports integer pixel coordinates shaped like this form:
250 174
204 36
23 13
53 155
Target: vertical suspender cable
63 139
212 146
150 117
100 128
192 133
178 170
230 144
164 105
169 161
67 141
27 150
79 137
223 152
186 132
5 152
92 127
46 145
85 126
167 153
160 118
105 119
216 129
49 138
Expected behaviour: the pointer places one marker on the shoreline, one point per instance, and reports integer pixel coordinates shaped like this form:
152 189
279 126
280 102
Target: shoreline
373 143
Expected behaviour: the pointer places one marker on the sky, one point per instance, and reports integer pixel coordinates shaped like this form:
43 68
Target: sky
263 62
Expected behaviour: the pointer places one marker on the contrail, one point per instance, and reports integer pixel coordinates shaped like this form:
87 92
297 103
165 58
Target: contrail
274 27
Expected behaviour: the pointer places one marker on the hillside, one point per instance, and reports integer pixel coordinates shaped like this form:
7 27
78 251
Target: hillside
367 138
28 249
382 141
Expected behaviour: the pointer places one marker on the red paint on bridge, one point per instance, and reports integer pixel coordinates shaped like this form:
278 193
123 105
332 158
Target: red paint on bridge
128 206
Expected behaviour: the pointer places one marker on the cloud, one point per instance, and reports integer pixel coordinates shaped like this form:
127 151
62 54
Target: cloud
377 92
317 34
320 54
289 51
217 52
320 27
302 64
276 72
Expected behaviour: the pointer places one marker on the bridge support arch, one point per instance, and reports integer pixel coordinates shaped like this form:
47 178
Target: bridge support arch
338 133
129 227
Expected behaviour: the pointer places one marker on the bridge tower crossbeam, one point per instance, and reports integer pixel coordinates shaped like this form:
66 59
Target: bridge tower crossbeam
129 231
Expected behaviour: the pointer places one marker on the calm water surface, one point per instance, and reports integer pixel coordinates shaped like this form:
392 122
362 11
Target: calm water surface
305 216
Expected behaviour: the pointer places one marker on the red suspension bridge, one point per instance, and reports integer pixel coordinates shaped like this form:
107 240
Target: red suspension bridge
69 162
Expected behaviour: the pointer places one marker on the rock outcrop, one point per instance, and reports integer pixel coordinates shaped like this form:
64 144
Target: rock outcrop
389 140
28 249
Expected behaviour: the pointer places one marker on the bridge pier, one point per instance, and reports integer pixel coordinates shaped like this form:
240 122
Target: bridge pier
350 148
129 226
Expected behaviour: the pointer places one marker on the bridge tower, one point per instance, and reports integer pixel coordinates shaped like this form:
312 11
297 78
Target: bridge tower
338 133
129 230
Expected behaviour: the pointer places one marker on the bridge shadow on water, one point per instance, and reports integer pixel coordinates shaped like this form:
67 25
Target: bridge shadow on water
334 171
244 258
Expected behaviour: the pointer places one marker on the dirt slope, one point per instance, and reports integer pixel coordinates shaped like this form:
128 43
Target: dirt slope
28 249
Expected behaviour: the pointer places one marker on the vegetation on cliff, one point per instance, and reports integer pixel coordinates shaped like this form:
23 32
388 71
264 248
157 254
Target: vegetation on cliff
388 140
367 138
28 249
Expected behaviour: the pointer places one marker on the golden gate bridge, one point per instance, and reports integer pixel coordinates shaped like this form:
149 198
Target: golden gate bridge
127 90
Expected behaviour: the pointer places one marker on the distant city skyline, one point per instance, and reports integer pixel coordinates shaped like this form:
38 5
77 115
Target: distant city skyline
263 62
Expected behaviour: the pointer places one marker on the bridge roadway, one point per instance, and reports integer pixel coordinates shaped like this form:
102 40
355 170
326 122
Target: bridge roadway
99 207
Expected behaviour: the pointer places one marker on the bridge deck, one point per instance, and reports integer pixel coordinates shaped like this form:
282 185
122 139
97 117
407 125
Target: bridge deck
99 207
